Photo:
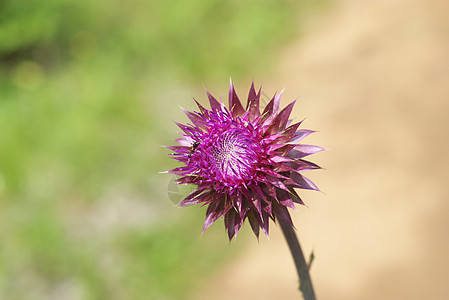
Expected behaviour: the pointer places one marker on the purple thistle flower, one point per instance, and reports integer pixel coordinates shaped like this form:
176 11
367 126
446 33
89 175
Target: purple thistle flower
245 163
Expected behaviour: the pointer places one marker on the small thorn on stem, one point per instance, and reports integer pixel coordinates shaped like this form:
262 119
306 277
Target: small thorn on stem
302 267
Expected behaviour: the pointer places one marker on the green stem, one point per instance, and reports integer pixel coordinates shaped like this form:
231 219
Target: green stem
305 283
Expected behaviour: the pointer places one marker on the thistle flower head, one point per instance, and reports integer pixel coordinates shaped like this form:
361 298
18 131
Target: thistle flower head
244 163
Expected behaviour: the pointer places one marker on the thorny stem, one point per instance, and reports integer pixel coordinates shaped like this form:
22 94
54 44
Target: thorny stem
305 283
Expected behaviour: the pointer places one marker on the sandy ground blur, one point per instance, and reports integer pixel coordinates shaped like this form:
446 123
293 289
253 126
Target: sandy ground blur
373 78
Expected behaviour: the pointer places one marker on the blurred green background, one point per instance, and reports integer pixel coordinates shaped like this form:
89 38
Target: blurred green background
88 92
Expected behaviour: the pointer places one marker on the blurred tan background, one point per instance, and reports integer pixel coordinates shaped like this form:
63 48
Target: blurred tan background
373 78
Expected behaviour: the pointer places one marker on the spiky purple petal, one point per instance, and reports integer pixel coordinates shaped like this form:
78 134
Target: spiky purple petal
245 164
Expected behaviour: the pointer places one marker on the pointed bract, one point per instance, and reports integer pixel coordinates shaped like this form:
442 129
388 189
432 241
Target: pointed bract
252 106
196 119
235 106
214 104
254 224
301 134
202 109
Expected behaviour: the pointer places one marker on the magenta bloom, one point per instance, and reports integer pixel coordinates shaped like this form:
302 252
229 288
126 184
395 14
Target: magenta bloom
245 164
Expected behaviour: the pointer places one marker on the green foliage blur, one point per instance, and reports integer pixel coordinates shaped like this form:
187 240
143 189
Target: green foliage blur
88 90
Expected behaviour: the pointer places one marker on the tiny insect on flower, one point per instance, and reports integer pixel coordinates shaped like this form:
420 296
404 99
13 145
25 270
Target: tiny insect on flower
245 163
192 150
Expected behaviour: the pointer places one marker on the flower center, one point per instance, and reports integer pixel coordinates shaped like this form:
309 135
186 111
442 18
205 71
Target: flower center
233 153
